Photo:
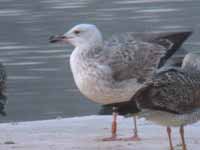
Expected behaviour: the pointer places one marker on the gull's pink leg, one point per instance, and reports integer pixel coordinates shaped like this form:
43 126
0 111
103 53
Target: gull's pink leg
170 138
182 137
135 137
114 128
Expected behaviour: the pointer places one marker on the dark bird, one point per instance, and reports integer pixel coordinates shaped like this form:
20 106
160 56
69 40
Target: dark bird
3 97
172 97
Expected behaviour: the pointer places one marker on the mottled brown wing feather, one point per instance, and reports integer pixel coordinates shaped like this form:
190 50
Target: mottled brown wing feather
173 91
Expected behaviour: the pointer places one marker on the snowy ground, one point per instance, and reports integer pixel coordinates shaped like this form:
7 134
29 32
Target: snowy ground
84 133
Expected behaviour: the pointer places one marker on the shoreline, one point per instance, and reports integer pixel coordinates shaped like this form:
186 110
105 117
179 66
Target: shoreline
85 133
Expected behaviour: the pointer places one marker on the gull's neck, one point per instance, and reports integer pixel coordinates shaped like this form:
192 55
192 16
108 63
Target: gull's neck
88 50
82 57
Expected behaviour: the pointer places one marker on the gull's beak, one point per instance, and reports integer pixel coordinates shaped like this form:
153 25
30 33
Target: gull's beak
58 38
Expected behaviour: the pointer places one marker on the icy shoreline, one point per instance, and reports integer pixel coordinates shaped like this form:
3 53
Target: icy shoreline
84 133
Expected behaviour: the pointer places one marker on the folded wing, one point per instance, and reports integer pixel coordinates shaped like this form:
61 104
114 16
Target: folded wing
133 56
173 90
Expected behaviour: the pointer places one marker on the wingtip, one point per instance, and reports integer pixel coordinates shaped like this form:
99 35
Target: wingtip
177 38
187 33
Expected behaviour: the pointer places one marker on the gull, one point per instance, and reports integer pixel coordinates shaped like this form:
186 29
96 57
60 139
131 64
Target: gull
111 71
3 97
171 98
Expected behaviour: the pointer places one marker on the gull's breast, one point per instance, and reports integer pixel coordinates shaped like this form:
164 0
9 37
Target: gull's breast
103 91
96 83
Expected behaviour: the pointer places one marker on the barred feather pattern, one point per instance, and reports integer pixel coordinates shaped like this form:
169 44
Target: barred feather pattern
174 91
135 59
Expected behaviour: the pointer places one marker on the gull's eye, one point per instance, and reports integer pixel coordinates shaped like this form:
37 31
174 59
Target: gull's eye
77 31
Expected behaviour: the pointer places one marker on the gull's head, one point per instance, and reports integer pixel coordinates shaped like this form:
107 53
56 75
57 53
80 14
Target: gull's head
80 35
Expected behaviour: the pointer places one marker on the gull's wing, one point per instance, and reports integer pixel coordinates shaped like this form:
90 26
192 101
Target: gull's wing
177 58
134 59
173 91
138 55
175 39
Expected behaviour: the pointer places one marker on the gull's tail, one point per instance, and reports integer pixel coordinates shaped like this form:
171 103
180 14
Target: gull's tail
172 42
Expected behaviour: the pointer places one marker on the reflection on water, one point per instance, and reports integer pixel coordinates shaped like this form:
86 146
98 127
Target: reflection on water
40 84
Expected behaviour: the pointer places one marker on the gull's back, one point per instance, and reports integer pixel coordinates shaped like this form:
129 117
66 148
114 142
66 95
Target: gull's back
134 55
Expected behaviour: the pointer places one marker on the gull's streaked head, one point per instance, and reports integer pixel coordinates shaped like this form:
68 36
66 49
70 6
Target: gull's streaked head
81 35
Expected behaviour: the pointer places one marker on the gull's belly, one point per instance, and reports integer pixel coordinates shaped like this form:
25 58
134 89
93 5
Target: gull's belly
95 82
170 119
103 91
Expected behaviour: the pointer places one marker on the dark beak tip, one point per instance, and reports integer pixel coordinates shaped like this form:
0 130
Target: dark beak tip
52 39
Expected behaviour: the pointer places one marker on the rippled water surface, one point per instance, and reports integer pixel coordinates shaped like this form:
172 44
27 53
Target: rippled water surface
40 84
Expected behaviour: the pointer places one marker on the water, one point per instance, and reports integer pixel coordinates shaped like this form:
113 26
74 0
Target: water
40 83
